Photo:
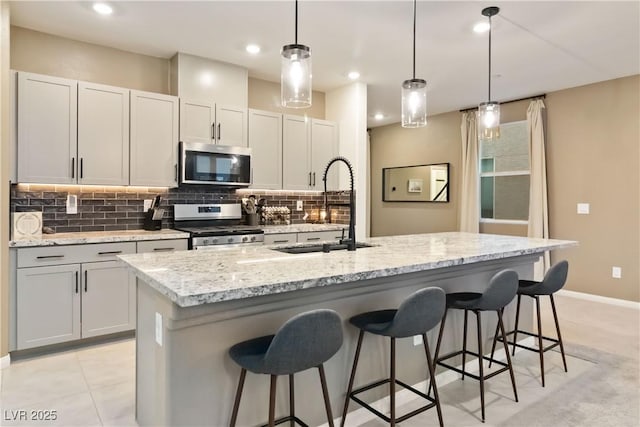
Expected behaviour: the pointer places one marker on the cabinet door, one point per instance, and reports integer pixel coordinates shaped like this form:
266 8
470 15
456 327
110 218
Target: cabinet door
197 121
231 125
103 134
324 147
154 139
47 305
108 298
320 236
265 141
47 129
296 174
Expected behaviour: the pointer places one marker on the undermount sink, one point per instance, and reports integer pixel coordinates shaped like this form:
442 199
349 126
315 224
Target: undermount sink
326 247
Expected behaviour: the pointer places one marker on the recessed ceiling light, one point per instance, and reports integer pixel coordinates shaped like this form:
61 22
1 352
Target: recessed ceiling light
481 27
103 8
253 49
354 75
379 116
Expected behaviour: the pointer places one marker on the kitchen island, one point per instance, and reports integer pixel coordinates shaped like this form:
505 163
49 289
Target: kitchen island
194 305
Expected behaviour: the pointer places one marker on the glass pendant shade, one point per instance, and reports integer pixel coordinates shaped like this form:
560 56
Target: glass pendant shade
489 120
295 78
414 103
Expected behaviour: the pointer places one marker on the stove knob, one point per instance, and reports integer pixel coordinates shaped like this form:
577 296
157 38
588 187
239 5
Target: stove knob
253 238
230 240
214 241
205 242
244 239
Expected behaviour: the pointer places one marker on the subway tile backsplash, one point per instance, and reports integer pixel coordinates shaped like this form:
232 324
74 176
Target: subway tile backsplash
121 208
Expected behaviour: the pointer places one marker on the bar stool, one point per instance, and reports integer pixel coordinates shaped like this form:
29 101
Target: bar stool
416 316
500 292
304 341
553 281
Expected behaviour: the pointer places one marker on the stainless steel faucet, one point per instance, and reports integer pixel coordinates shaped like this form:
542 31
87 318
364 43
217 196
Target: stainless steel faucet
351 239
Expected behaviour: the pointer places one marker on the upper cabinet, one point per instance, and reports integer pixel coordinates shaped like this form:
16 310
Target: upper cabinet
47 129
103 134
154 139
265 141
308 146
203 121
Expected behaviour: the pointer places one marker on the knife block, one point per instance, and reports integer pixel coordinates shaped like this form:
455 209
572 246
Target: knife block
149 223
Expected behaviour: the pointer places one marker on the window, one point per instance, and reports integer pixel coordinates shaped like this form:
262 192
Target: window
504 175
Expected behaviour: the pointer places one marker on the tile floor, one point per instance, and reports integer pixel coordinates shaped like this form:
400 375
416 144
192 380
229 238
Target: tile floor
94 386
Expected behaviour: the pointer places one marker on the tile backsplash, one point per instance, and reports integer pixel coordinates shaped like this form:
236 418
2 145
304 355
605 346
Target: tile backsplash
121 208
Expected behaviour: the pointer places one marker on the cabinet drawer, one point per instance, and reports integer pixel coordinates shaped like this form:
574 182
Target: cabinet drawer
71 254
319 236
162 245
280 238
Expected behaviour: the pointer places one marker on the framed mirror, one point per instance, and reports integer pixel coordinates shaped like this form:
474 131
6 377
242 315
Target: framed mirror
420 183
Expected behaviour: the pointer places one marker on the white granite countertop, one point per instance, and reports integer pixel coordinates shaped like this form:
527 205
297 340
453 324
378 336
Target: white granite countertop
78 238
191 278
301 228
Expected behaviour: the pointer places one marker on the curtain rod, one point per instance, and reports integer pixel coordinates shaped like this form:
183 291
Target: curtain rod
543 96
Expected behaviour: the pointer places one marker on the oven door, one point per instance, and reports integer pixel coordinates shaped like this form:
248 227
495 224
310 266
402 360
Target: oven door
215 164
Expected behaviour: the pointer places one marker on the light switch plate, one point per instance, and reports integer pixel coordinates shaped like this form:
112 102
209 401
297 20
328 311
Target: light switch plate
299 206
583 208
417 339
159 329
72 204
616 272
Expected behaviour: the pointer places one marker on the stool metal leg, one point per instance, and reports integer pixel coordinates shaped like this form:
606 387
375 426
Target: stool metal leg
506 350
464 343
555 318
353 375
325 394
480 362
495 339
515 330
392 384
236 403
272 401
432 378
292 404
435 356
540 345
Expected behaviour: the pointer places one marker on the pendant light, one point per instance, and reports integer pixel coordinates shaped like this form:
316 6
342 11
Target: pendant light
295 77
414 92
489 112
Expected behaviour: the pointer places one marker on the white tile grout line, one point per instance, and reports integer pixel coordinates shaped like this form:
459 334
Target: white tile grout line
95 407
362 415
600 299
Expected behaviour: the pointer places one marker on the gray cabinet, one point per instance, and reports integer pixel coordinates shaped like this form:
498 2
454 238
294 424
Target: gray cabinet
153 140
281 238
204 121
265 141
324 147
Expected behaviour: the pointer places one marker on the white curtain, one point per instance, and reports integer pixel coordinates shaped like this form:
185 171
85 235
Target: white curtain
469 198
538 207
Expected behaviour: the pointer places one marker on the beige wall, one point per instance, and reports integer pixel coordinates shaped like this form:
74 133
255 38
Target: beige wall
593 156
265 95
392 145
43 53
4 178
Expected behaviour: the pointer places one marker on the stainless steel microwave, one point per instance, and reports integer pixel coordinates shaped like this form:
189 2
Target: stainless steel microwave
215 164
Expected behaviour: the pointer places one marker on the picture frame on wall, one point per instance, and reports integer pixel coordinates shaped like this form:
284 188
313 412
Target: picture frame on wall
415 186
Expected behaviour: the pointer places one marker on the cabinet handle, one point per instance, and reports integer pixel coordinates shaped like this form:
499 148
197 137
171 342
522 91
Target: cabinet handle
163 249
49 256
314 179
109 252
213 131
176 169
310 239
73 167
280 241
219 132
309 179
81 167
76 282
85 280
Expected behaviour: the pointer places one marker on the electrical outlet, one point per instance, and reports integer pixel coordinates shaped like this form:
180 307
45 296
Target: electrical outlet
417 339
616 272
72 204
147 204
159 329
299 206
583 208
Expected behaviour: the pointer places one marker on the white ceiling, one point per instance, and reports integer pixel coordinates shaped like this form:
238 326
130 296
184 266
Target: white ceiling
538 46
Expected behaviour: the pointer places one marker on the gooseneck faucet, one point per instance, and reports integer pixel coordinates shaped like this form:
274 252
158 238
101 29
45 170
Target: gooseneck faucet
351 239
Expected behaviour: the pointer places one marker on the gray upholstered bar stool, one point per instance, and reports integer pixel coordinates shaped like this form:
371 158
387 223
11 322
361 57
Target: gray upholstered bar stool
553 281
500 292
304 341
416 316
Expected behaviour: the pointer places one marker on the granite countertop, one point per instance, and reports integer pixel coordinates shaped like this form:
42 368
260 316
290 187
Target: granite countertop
79 238
193 278
301 228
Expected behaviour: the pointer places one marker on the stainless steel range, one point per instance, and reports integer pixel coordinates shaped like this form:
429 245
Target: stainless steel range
215 224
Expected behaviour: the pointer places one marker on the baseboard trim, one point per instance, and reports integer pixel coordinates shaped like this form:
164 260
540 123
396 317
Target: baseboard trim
5 361
362 415
600 299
